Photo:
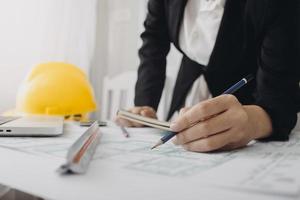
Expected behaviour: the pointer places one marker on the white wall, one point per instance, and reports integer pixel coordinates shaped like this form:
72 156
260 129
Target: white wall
125 24
100 36
34 31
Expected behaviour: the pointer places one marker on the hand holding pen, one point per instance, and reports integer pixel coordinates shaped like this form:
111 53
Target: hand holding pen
220 123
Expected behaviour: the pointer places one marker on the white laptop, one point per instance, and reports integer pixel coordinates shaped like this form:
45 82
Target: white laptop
31 126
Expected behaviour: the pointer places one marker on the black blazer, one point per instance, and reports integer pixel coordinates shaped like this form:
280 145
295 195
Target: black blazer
256 37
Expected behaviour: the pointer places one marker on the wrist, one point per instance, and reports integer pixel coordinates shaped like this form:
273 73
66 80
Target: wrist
260 124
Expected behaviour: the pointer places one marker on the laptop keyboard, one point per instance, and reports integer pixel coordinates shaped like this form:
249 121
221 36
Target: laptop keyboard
5 119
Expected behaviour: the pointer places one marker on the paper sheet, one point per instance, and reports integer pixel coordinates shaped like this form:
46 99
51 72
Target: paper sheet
263 167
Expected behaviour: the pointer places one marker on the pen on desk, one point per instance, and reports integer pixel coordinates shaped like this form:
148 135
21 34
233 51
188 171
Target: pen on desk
124 132
230 90
164 139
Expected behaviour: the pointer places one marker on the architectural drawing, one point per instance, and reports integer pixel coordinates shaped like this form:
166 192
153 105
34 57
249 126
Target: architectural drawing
267 167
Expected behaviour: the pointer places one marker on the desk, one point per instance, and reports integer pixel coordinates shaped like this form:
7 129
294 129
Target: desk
35 174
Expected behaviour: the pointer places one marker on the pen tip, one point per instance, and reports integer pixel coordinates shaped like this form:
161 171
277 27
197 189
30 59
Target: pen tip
153 147
157 145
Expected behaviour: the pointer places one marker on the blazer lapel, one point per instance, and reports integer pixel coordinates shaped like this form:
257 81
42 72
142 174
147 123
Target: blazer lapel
229 48
175 12
230 23
225 55
229 40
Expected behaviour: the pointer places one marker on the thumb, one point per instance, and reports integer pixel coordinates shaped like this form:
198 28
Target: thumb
148 113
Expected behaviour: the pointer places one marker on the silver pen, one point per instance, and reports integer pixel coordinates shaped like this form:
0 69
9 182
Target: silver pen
125 132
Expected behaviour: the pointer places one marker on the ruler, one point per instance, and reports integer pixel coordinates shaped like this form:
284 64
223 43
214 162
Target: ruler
81 152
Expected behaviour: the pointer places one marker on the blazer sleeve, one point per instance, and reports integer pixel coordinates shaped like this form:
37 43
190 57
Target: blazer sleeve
278 75
152 54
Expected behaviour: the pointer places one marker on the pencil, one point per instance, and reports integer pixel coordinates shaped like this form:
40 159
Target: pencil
230 90
164 139
124 132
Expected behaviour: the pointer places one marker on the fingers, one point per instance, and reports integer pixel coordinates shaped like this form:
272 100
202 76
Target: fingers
211 126
212 143
203 111
148 112
136 110
144 111
232 146
181 112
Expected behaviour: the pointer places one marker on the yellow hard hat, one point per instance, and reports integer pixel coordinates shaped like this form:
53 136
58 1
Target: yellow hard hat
56 88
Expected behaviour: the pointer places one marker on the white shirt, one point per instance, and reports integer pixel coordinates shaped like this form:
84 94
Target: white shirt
199 29
197 38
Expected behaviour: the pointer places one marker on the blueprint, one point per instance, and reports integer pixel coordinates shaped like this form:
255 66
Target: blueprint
264 167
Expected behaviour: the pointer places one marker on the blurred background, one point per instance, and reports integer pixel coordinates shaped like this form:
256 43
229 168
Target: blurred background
99 36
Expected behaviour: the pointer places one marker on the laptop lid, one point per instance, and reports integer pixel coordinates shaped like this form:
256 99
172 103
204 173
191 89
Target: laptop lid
33 126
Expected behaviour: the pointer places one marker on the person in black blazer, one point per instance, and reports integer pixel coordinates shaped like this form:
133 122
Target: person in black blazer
256 37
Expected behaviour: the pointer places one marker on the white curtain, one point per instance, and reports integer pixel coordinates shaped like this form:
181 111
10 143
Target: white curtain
34 31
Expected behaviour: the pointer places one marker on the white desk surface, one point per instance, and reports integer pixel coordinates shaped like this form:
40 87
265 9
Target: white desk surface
35 174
